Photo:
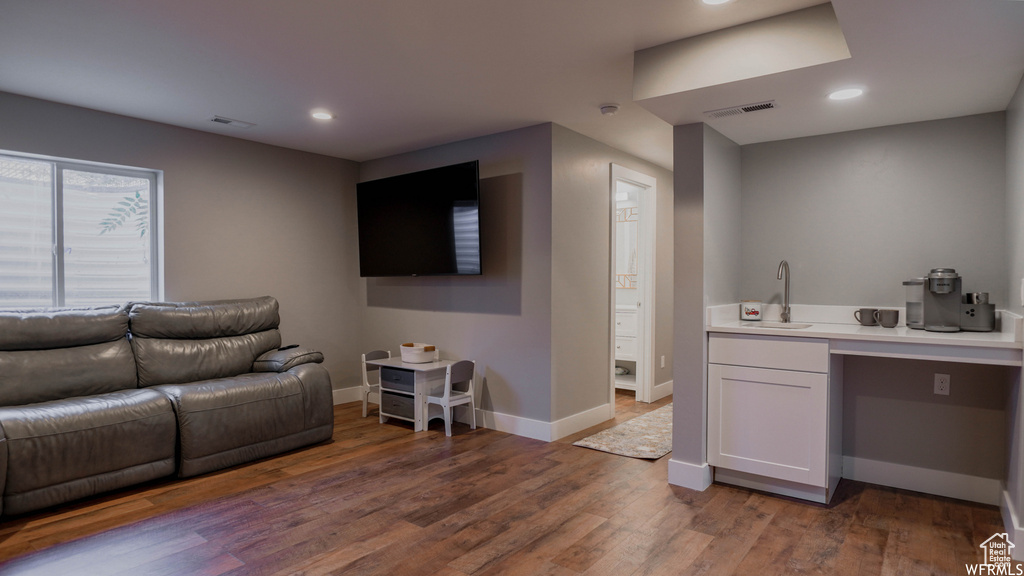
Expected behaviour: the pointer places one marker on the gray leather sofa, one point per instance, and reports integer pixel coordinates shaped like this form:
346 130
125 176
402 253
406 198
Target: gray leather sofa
95 399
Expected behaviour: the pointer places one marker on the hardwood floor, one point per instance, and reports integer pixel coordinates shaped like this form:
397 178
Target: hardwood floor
380 499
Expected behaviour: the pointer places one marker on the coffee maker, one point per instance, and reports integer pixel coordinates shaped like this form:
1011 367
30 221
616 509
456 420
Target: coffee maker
941 305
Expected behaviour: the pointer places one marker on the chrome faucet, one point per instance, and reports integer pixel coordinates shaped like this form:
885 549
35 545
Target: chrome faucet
785 301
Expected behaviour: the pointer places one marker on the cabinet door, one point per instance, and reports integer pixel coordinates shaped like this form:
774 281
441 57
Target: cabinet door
769 422
625 323
625 348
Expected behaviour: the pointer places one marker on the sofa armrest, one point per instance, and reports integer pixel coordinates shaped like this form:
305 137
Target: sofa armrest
282 360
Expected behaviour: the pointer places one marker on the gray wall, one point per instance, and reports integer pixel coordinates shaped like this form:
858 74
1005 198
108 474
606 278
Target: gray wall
722 218
689 390
856 213
581 273
890 414
1015 266
537 321
241 219
707 250
502 318
1015 199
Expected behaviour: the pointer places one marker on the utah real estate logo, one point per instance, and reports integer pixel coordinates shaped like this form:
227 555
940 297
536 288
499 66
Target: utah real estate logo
998 557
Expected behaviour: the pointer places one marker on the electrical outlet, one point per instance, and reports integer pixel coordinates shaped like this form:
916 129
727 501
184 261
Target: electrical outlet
662 360
942 384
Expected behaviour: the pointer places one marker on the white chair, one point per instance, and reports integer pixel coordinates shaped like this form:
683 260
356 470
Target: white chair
458 390
368 386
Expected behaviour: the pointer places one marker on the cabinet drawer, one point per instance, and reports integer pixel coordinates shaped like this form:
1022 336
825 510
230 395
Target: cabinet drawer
625 323
778 352
396 379
625 348
397 405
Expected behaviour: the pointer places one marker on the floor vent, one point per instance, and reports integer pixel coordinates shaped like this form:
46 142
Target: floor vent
232 123
734 110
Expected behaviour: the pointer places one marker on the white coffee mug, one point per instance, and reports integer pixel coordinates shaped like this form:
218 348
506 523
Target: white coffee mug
750 310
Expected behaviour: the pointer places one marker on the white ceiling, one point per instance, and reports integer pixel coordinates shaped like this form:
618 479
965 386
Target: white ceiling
407 74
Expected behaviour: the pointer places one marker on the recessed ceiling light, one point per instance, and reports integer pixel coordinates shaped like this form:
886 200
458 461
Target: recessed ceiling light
845 94
715 2
322 115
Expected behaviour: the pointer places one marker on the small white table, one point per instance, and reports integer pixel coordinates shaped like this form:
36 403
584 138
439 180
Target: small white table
414 381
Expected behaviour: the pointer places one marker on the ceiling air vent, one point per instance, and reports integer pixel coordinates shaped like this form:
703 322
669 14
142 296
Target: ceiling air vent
232 123
734 110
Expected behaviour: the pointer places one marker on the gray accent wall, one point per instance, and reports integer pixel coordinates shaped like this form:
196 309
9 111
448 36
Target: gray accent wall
537 321
240 219
722 217
581 270
502 318
1015 199
857 213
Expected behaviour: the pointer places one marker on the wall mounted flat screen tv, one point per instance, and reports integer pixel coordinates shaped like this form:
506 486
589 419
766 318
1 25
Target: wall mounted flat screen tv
421 224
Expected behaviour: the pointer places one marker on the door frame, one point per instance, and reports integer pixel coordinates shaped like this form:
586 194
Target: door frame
648 200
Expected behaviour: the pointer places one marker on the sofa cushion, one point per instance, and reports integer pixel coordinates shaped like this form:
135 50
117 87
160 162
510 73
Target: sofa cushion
200 320
77 447
48 354
221 422
176 343
42 375
42 328
166 361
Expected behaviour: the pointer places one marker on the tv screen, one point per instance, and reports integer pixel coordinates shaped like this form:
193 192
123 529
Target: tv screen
421 224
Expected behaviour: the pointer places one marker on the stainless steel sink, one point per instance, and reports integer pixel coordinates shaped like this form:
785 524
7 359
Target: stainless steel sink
784 325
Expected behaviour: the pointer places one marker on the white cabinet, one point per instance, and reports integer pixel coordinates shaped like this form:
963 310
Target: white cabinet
625 335
626 344
775 414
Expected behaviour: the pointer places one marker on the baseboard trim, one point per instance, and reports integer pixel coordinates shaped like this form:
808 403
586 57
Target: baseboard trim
692 476
774 485
495 421
517 425
949 484
582 421
529 428
353 394
661 390
1011 524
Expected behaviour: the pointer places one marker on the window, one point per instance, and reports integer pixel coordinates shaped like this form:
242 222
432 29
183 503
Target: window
76 234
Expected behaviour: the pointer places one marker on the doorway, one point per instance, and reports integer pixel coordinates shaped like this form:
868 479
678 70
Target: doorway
632 280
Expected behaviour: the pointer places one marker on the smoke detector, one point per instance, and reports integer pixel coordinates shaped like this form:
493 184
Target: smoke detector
231 122
609 109
744 109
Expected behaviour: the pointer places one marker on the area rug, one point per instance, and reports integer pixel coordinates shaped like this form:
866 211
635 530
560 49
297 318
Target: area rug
648 436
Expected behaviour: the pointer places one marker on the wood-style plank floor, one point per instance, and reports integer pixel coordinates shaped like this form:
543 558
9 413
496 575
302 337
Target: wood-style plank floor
380 499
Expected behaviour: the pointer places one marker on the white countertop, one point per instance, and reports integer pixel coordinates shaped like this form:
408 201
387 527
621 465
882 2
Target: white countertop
1002 346
876 333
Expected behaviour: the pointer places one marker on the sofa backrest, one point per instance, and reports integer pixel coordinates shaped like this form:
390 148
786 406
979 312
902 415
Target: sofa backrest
49 354
182 342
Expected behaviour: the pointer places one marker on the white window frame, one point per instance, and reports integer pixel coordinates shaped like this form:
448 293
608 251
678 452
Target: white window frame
57 166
